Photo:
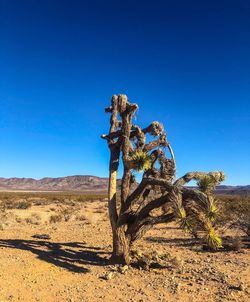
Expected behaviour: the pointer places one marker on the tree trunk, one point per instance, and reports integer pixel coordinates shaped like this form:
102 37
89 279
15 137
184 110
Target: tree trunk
112 200
121 246
113 167
120 252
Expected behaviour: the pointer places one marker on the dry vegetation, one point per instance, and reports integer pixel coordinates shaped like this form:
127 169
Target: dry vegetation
56 246
235 212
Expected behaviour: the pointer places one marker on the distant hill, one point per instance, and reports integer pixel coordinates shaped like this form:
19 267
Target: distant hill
68 183
230 190
84 183
233 190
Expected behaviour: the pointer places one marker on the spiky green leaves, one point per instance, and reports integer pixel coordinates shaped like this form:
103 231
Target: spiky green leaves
212 211
184 220
213 239
141 161
198 218
206 184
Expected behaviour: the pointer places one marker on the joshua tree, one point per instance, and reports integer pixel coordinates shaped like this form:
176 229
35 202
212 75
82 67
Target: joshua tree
159 197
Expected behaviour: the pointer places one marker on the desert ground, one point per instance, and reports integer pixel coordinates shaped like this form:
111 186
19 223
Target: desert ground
57 249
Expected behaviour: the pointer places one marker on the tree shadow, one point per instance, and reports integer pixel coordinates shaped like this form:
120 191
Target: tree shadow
198 244
70 255
168 227
185 242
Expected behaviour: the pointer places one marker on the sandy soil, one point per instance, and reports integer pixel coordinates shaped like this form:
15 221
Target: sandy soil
72 264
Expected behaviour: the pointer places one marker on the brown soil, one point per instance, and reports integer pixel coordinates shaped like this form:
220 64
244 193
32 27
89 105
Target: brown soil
72 264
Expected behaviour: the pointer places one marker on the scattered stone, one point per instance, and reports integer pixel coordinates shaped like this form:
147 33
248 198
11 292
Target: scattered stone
123 269
108 276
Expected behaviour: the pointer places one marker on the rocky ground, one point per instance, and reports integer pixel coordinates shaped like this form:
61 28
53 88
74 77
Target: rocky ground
59 253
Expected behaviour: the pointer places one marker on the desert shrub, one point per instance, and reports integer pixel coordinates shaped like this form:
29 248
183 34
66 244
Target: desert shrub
67 212
235 243
67 216
24 204
55 218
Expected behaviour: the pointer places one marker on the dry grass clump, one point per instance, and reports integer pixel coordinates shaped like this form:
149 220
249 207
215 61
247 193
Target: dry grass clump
81 217
34 218
66 213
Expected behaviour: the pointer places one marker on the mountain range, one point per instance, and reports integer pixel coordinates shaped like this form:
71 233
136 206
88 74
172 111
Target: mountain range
84 183
68 183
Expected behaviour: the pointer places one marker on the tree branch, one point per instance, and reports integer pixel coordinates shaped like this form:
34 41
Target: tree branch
154 129
218 176
139 228
145 183
126 111
160 142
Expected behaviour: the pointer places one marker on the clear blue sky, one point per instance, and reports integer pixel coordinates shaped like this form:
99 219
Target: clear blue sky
186 63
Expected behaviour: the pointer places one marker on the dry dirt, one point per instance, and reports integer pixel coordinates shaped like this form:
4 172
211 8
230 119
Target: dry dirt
72 264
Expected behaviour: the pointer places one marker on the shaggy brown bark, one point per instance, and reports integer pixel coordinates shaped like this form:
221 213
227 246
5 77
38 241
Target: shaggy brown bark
140 209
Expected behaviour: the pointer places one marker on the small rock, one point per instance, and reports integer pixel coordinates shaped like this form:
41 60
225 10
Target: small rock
123 269
108 276
176 262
